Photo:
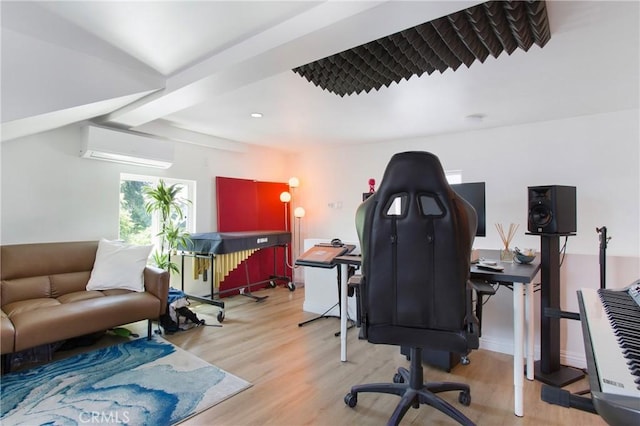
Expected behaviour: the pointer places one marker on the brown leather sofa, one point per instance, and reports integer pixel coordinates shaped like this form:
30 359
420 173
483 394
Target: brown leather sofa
44 298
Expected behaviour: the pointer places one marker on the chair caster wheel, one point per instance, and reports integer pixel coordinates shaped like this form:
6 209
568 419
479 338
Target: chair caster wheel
397 378
291 286
464 360
351 399
272 284
220 316
464 398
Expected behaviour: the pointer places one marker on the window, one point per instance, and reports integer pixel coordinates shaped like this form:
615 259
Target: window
136 225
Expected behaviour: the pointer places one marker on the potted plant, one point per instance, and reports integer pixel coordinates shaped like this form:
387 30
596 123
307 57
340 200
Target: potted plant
166 201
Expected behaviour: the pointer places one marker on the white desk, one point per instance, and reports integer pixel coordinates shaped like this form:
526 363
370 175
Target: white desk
523 318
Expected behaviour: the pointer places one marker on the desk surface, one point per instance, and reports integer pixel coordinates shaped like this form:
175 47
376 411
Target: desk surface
513 272
325 260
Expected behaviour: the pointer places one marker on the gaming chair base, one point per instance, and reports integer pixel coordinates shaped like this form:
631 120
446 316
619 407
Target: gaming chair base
409 385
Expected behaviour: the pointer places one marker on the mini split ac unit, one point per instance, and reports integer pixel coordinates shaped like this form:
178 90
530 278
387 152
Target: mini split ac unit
118 146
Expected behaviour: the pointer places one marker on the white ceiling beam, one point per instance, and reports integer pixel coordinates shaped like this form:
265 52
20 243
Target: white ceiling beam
167 130
40 123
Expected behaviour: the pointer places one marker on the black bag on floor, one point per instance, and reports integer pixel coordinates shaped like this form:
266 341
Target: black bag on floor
189 315
177 301
168 324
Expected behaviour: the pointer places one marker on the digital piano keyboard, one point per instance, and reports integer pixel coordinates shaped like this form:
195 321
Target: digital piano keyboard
611 331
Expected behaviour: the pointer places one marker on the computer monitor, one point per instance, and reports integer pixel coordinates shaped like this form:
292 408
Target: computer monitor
474 193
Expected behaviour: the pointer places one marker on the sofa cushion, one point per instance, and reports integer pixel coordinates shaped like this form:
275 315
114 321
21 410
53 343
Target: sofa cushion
69 282
25 288
119 265
30 305
80 295
65 320
36 260
115 291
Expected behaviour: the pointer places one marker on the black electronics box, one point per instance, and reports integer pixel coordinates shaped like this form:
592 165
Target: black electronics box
439 359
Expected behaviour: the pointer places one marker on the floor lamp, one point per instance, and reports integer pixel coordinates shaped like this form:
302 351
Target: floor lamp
298 213
286 197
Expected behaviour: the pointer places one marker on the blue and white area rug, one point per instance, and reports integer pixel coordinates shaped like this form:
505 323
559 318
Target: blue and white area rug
140 382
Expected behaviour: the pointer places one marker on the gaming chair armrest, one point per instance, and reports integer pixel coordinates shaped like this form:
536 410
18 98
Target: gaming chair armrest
358 281
355 280
472 325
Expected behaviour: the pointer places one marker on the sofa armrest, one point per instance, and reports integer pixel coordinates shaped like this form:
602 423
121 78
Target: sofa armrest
156 282
7 333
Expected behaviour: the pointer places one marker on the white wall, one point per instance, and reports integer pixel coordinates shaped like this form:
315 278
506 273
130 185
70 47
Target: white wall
597 154
49 193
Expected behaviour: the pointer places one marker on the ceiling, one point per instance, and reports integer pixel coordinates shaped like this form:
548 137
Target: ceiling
207 65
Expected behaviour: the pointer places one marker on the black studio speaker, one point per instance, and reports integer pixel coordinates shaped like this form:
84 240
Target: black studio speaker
552 209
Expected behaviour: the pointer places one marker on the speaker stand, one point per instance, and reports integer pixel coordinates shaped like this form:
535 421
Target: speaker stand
548 370
559 378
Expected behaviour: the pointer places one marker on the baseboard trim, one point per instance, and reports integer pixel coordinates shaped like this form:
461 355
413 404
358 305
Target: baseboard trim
572 359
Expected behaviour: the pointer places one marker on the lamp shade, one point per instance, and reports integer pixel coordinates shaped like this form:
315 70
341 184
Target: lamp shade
294 182
299 212
285 197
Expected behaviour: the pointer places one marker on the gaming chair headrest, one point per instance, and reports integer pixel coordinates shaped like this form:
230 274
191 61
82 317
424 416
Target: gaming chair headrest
414 170
417 172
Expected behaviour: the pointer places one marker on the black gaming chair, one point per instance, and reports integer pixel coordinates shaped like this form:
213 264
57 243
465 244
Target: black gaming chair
416 236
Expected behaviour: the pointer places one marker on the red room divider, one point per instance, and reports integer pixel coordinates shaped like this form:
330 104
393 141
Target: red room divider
249 205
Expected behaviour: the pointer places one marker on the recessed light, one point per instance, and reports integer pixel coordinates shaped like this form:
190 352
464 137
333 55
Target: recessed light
256 114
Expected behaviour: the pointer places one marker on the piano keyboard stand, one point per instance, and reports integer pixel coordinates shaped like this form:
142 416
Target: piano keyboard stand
610 323
564 398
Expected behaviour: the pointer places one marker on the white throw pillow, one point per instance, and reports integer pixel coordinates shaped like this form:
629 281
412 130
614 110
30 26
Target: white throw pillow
119 265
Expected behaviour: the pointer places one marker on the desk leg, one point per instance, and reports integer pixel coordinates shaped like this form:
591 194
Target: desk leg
518 352
343 311
529 318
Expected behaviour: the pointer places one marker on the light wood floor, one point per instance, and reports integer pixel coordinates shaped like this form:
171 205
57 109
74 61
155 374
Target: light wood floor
298 378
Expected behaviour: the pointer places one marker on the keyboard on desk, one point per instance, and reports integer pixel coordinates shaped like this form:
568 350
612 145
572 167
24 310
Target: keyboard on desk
611 330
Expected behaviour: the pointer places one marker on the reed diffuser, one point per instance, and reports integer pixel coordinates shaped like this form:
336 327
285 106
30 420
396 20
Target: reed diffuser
506 254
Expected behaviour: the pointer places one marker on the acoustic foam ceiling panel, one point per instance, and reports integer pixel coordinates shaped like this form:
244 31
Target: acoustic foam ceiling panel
448 42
